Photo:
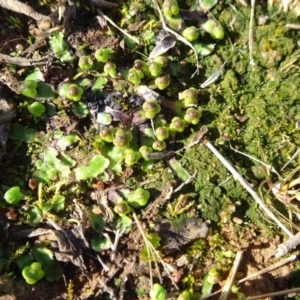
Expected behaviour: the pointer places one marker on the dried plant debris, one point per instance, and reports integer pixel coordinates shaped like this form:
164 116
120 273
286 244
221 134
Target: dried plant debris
7 113
177 233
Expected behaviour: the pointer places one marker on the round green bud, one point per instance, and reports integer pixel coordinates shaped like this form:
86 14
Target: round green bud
166 8
151 108
185 295
162 60
174 8
190 33
104 54
192 116
86 62
214 29
138 64
170 8
74 92
155 69
162 133
122 208
177 125
145 152
189 96
218 32
138 198
135 76
122 138
162 82
159 145
106 134
110 69
28 88
131 157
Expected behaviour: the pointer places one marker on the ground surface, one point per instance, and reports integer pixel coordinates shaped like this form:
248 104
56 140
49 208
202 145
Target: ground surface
251 108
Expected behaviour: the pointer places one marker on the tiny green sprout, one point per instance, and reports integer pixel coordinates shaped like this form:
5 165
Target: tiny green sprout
192 115
159 145
214 29
190 33
37 108
86 62
104 54
13 195
162 82
33 273
122 138
107 134
145 152
151 108
28 88
139 64
138 197
162 133
185 295
122 208
155 69
162 60
74 92
177 125
157 292
131 157
110 69
135 76
188 96
170 8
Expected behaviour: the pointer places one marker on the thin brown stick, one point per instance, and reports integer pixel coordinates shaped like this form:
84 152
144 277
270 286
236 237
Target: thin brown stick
23 8
229 282
21 61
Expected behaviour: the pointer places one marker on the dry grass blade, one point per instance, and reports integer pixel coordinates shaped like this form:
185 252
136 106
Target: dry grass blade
178 36
102 15
154 252
229 282
288 245
251 24
243 182
270 268
281 293
22 8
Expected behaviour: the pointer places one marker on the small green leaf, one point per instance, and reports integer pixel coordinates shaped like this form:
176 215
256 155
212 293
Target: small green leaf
44 90
45 256
37 108
96 166
179 170
80 109
24 260
97 221
60 47
33 273
58 202
28 88
51 165
13 195
22 134
104 119
100 243
99 84
207 4
157 292
204 49
36 75
124 224
67 141
35 215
